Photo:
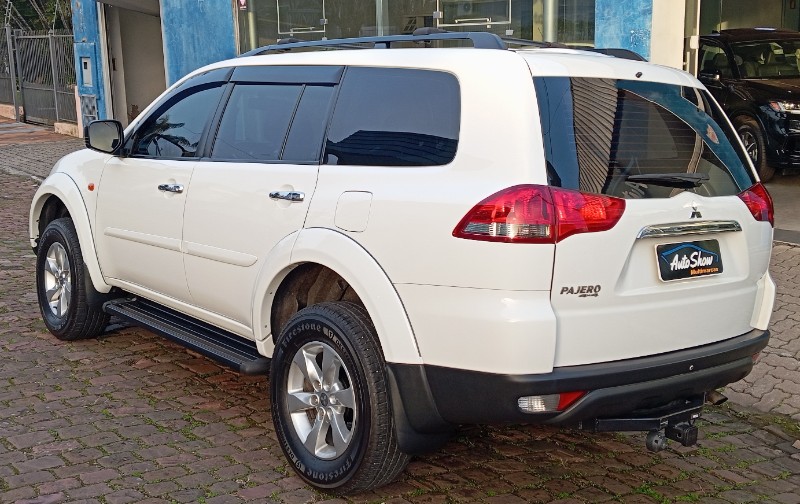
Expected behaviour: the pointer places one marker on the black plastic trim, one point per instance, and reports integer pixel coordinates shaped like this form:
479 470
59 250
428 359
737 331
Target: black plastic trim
288 74
480 40
434 396
226 347
418 426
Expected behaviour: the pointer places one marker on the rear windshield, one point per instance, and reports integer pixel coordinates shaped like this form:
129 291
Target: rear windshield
633 139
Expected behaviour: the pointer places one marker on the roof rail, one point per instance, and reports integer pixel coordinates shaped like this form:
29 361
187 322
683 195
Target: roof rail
533 43
480 40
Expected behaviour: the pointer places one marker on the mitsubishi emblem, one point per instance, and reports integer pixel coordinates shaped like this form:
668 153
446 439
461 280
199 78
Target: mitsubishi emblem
695 212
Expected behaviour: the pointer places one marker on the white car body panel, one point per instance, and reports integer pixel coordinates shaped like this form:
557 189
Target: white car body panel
139 228
62 186
492 331
231 224
356 266
635 313
765 301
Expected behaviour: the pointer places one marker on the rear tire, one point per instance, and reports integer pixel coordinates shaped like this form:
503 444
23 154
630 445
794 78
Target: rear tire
62 285
330 400
753 139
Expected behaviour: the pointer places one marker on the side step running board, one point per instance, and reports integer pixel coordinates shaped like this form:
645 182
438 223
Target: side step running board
229 349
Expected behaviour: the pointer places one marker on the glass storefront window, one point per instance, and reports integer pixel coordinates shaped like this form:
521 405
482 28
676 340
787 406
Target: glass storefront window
263 22
576 22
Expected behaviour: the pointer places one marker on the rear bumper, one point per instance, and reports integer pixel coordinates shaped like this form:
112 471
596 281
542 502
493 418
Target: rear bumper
434 398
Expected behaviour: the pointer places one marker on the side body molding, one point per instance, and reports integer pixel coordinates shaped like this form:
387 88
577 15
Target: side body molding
347 258
63 187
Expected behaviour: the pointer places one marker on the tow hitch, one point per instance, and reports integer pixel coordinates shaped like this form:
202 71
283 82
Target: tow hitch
675 421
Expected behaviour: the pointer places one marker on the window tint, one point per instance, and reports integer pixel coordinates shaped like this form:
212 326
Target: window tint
175 128
255 122
714 61
395 117
768 59
599 132
308 127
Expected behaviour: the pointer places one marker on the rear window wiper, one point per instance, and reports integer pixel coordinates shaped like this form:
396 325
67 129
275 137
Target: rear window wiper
680 180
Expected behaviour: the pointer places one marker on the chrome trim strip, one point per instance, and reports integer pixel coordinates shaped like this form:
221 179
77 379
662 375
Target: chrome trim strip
688 228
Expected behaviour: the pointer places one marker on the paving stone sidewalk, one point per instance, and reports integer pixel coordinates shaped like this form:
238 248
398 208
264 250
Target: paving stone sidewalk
130 417
31 150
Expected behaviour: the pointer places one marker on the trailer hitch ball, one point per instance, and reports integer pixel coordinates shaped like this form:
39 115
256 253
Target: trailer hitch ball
656 441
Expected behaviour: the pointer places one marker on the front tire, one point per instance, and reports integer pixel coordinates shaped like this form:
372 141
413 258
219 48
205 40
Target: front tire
62 285
753 139
330 400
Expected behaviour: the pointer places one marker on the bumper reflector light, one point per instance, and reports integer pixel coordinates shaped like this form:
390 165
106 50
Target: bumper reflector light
548 403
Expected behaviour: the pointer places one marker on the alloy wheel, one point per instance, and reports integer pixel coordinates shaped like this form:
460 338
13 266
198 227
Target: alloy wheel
750 144
321 400
57 276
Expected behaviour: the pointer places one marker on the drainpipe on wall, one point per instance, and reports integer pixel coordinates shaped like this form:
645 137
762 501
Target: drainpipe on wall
550 20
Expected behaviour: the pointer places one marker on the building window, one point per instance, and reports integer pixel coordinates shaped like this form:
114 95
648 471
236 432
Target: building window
576 22
263 22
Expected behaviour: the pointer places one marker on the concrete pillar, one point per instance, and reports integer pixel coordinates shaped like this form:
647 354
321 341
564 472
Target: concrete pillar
86 30
666 45
625 25
187 47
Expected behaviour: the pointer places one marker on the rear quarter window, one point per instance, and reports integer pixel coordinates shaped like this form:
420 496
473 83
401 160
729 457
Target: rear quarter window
600 134
395 117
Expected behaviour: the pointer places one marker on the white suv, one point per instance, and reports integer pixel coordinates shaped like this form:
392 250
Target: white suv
411 239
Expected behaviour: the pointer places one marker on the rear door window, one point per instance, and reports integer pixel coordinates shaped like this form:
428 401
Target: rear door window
255 122
636 139
395 117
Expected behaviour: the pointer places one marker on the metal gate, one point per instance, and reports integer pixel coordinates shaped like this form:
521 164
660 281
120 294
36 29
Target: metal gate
46 75
7 86
37 71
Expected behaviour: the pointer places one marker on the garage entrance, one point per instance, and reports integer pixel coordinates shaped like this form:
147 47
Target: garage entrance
134 55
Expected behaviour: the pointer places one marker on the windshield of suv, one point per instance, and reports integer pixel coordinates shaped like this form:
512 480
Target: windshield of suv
768 59
634 139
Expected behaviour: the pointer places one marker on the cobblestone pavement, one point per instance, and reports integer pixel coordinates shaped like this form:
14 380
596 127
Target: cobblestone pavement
26 149
130 417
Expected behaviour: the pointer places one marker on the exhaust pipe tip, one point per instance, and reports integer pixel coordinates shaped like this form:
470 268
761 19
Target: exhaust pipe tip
715 398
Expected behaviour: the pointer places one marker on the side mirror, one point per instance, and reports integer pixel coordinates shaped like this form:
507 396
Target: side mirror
709 76
104 136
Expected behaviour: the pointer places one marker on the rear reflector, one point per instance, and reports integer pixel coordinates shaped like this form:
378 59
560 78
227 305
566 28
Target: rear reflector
538 214
759 202
548 403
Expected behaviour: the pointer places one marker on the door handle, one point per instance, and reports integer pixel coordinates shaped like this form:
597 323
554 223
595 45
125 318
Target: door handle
293 196
174 188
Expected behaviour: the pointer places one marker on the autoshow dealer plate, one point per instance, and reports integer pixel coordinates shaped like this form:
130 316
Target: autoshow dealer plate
677 261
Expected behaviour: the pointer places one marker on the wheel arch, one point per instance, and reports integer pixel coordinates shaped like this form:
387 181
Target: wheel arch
749 114
58 196
343 257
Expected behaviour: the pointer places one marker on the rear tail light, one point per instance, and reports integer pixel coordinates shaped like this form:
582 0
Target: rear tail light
538 214
759 202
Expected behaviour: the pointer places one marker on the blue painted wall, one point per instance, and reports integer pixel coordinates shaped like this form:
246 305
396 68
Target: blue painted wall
624 24
87 37
196 33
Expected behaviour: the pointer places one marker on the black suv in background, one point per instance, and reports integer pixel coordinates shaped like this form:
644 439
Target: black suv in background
754 73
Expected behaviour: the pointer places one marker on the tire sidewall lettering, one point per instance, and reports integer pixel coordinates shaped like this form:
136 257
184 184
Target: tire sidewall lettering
317 471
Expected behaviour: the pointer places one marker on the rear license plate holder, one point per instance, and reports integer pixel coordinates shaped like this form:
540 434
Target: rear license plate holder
682 260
